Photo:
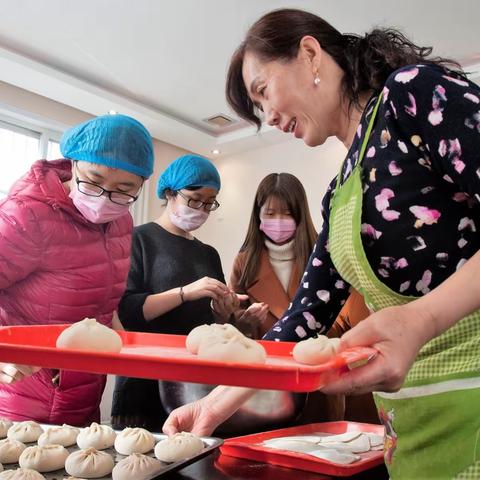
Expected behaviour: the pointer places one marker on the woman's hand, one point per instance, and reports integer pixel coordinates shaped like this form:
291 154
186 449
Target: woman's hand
250 321
205 287
397 333
203 416
11 373
228 304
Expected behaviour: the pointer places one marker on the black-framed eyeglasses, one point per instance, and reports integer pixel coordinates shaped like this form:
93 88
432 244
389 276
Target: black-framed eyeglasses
93 190
197 204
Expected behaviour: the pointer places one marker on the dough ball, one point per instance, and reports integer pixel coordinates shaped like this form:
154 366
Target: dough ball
89 463
96 436
4 426
178 447
315 351
10 450
134 440
44 459
90 335
21 474
137 466
65 436
235 349
25 432
207 332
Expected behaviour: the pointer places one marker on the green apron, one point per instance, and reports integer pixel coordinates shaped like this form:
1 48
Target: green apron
433 423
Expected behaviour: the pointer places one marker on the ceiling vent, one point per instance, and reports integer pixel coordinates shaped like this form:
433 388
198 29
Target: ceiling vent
220 120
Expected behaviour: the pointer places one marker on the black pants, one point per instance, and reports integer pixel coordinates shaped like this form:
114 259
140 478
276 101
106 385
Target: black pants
136 403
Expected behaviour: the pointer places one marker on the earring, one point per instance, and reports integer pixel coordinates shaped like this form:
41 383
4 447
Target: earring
316 79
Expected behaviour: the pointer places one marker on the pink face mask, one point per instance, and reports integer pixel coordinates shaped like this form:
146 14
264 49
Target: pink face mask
187 218
97 209
278 229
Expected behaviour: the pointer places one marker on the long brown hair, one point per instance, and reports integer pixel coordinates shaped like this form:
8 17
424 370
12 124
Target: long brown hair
366 61
288 189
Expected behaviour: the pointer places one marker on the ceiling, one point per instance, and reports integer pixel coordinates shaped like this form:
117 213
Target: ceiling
165 61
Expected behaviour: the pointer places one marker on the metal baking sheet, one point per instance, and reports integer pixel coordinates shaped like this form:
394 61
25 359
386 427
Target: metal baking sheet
211 443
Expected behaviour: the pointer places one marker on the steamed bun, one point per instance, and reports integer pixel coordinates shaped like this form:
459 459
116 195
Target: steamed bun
96 436
43 459
89 463
178 447
4 426
21 474
10 450
65 436
316 350
25 432
235 349
134 440
205 333
90 335
136 466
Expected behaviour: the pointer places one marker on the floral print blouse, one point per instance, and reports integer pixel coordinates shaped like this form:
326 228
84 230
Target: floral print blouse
421 200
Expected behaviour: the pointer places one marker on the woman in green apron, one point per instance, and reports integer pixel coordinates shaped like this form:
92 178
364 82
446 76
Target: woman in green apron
400 226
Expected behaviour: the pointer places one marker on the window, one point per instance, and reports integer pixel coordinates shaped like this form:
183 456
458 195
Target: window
20 146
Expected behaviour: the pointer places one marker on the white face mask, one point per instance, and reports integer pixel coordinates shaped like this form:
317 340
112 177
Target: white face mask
187 218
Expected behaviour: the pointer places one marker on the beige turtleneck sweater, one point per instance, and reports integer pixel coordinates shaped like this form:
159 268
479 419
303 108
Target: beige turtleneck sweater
281 258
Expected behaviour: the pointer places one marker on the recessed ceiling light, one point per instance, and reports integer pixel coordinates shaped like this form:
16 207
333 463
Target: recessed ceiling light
112 112
216 151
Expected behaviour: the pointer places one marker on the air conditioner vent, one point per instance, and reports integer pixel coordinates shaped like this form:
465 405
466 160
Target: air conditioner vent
220 120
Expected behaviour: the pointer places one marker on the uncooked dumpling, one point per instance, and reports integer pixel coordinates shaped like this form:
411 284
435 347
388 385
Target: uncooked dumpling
89 463
134 440
43 459
96 436
235 349
90 335
178 447
205 332
21 474
10 450
136 466
4 426
65 436
25 432
314 351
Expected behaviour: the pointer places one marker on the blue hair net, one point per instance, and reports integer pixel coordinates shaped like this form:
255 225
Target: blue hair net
115 141
188 171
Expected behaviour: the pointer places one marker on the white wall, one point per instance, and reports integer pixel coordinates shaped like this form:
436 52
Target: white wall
241 174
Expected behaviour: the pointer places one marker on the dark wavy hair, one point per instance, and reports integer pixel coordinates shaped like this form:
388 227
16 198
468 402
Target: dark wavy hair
288 189
366 61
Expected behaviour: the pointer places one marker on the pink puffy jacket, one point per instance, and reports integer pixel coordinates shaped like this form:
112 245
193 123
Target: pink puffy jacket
56 267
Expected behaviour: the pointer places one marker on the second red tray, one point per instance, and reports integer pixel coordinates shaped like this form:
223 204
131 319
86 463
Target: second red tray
164 357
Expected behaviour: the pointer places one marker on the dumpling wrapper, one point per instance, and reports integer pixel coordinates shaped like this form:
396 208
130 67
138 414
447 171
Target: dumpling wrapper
89 463
360 444
291 445
96 436
340 437
375 439
299 438
134 440
88 334
335 457
10 450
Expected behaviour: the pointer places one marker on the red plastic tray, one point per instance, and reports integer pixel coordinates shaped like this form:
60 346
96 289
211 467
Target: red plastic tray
158 356
249 446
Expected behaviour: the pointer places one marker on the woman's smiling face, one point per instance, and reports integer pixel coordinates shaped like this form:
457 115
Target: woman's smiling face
285 91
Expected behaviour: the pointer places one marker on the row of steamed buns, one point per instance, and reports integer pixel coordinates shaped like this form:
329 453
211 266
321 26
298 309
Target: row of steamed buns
50 453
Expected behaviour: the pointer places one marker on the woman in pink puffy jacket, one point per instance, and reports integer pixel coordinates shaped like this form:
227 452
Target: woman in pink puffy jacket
65 236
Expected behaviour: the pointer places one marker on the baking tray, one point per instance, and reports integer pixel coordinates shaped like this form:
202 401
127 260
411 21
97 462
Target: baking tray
251 447
211 443
164 357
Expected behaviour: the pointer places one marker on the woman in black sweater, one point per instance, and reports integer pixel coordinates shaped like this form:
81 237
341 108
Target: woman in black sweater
175 282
